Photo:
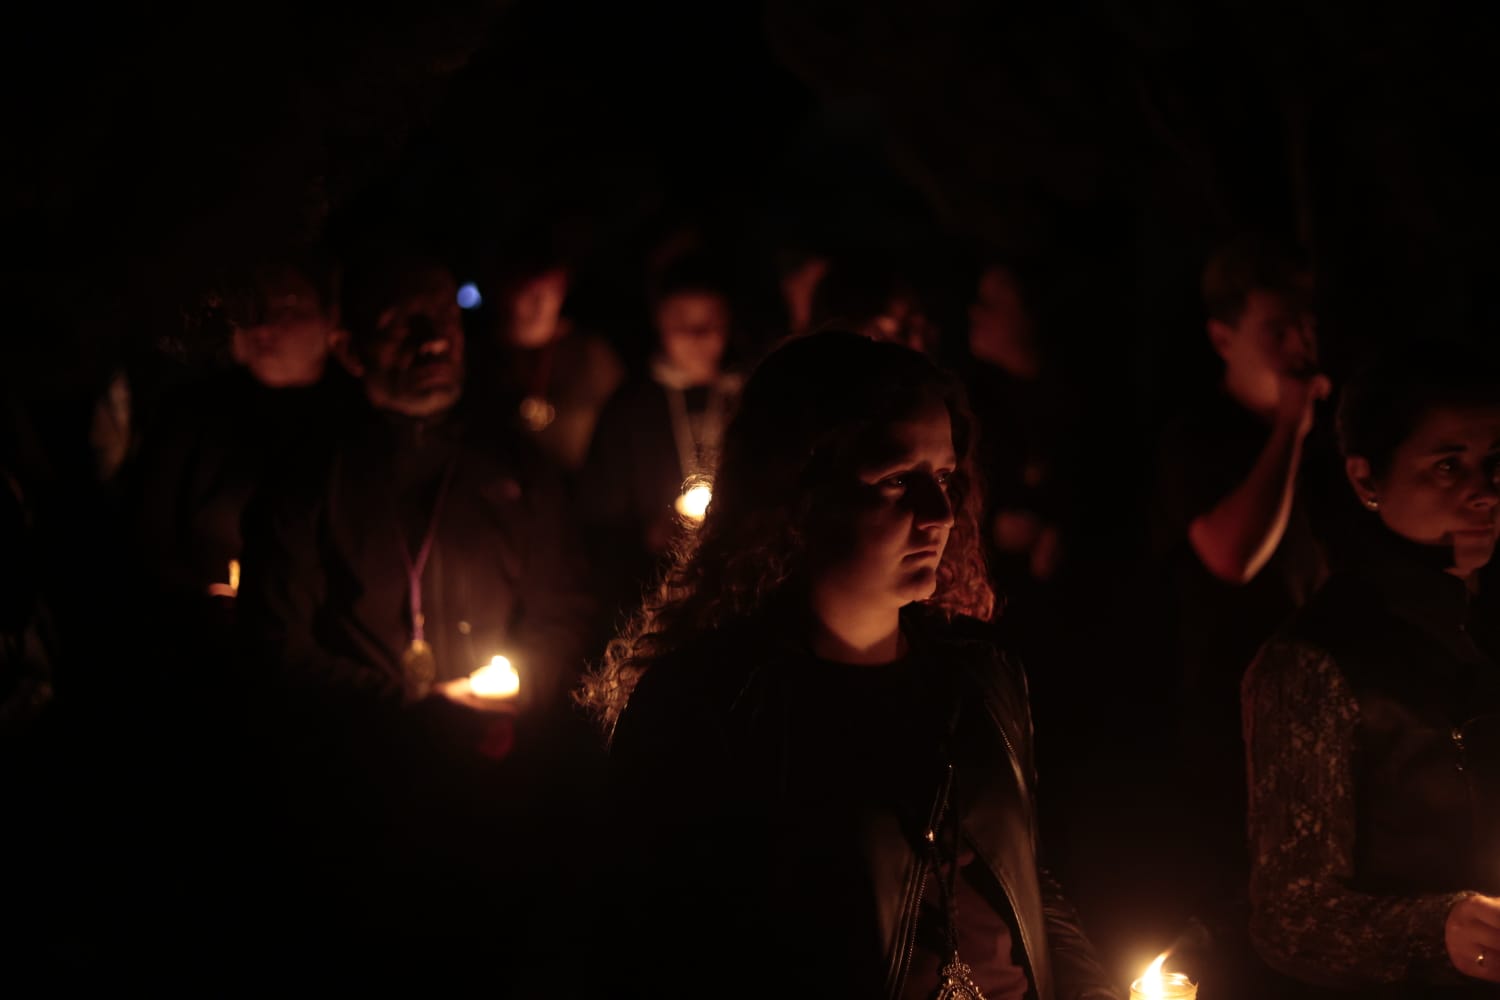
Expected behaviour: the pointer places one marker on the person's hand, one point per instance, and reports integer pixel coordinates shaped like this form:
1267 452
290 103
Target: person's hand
461 693
1298 396
1472 936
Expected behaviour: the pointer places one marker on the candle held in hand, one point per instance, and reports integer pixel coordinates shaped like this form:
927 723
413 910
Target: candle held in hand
496 679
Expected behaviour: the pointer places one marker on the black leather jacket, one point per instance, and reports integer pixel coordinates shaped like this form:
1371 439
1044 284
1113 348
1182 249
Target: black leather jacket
760 880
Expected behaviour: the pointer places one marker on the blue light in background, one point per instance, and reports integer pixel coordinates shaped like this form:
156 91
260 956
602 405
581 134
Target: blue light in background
469 297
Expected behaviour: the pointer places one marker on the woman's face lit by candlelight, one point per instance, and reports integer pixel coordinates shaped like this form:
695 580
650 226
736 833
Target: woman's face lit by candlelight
1441 484
884 546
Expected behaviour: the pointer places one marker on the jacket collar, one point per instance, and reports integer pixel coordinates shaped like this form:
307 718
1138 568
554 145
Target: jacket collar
1413 581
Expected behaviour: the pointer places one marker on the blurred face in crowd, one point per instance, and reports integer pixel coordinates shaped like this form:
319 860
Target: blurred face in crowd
413 361
1273 340
891 536
694 331
903 322
289 346
1440 487
536 309
1000 329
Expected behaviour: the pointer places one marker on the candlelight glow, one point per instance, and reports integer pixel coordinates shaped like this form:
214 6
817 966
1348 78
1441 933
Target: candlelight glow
1155 984
230 589
496 679
1151 980
696 494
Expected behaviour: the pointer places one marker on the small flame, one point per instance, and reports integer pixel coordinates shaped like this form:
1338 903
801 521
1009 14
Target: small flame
696 494
496 679
234 575
1152 983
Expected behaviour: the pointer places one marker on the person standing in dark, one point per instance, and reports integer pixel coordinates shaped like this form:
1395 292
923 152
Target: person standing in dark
1024 417
1372 719
379 573
210 444
1235 535
660 432
546 377
821 759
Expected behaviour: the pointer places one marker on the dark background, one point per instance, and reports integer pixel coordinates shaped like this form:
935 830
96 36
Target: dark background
1104 146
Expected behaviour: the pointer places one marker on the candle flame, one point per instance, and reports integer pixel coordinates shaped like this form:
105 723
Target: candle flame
1153 972
696 494
496 679
234 575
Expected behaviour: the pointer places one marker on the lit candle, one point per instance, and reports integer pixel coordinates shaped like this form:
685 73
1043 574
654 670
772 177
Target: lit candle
495 680
230 589
1155 984
692 504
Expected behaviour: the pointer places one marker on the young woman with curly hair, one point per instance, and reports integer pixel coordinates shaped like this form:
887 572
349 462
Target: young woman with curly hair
821 760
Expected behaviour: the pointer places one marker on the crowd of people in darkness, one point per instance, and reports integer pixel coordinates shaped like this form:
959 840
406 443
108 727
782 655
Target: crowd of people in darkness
801 626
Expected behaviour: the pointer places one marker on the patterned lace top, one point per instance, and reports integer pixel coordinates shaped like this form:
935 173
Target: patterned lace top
1300 716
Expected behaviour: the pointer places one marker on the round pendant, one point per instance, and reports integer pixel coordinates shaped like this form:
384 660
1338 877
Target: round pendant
420 665
536 413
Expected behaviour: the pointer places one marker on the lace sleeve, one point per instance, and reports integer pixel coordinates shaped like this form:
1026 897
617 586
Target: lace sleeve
1306 921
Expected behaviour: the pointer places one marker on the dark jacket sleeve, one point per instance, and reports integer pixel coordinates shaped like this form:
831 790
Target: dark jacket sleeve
1076 969
283 586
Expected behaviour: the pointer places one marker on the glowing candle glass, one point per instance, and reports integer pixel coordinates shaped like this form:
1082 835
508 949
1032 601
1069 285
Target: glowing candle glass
697 491
495 680
1155 984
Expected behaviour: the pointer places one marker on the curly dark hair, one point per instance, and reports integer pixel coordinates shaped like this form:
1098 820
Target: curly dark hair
801 421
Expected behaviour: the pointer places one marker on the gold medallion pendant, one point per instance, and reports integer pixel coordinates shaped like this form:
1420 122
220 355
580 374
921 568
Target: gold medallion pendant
536 413
420 665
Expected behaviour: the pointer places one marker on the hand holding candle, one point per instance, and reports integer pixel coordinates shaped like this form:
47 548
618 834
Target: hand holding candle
492 688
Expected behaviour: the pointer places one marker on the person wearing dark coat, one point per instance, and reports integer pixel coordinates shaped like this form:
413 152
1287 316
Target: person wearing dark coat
821 764
382 571
1372 718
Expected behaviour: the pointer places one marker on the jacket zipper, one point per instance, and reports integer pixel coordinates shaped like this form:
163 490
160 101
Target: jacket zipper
939 807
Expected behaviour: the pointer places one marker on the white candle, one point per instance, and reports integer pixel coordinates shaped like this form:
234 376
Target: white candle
495 680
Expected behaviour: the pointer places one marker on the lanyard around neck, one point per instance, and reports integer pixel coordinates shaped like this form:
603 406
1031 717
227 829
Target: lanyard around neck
415 565
689 445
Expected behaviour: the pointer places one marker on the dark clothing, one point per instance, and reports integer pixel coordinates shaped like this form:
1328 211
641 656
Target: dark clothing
208 448
1373 727
869 728
1207 452
1216 626
1021 450
754 825
634 475
325 587
571 377
397 812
